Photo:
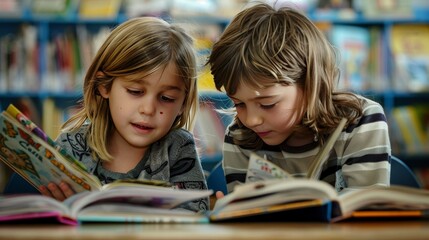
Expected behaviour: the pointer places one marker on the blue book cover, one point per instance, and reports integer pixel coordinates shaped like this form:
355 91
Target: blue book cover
353 48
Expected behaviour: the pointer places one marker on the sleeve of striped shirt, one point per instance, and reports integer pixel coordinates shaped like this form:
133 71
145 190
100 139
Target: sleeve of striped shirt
365 157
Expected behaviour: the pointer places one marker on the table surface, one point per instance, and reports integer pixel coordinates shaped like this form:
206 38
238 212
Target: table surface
413 229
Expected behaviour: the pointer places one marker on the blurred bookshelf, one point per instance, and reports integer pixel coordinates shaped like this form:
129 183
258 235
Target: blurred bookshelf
47 45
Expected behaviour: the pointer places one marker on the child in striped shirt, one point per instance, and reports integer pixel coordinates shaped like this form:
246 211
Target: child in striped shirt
280 72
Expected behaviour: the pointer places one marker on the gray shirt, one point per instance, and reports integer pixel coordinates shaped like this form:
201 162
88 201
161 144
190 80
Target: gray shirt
172 159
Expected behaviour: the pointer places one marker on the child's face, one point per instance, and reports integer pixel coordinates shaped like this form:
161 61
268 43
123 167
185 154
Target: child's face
144 109
270 112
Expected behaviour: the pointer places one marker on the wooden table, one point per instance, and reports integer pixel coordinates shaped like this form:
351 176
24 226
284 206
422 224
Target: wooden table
409 230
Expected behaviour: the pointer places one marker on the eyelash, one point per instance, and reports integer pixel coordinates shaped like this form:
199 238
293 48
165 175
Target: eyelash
139 92
268 106
134 92
240 105
237 105
167 99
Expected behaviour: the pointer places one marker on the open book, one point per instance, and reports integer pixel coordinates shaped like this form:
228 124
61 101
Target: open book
270 193
302 199
31 153
262 169
120 203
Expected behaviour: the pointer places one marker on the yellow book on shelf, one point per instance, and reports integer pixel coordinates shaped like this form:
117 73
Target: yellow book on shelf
410 127
99 8
410 50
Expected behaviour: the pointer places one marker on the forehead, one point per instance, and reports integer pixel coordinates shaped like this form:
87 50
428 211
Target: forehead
166 77
249 92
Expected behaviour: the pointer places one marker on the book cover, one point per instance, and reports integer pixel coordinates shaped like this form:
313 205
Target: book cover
353 45
106 9
31 153
410 50
412 131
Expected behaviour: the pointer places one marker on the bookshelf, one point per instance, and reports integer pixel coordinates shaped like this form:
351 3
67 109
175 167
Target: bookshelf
50 85
43 30
381 81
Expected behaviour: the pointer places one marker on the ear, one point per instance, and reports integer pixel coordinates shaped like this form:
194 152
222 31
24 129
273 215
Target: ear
102 89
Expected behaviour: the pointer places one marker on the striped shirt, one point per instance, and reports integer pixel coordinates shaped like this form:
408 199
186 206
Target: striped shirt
360 156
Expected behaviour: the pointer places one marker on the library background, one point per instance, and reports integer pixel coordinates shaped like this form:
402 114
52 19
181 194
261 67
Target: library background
47 45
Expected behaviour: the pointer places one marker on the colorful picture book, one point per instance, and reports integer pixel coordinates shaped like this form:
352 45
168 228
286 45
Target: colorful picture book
410 50
119 203
353 45
32 154
27 150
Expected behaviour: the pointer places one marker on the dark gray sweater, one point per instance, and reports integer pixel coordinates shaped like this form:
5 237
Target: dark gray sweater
172 159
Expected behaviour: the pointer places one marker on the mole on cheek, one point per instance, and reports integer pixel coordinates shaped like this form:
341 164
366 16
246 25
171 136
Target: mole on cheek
160 112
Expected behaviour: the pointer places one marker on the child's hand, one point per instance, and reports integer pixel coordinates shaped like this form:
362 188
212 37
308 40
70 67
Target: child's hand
59 192
219 195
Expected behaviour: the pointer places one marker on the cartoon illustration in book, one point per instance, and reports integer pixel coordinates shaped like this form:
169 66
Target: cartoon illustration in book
21 160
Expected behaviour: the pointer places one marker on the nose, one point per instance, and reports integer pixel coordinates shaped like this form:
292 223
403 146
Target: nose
147 106
252 119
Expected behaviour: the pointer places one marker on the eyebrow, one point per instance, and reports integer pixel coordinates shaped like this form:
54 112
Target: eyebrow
165 87
171 87
255 98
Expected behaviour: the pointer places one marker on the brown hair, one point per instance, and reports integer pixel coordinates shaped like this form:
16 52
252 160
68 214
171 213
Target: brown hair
283 45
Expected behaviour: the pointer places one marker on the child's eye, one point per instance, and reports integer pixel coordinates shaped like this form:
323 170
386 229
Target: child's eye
239 105
134 92
269 106
167 99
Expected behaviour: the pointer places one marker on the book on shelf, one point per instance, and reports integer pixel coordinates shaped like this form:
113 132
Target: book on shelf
410 50
386 9
12 8
53 8
19 67
353 44
411 124
99 9
139 202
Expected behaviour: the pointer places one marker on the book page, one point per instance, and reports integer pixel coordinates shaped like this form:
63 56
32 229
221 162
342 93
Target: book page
384 198
261 169
316 166
136 195
270 193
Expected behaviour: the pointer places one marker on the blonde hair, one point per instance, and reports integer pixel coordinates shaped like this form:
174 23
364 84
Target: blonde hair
138 46
284 46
